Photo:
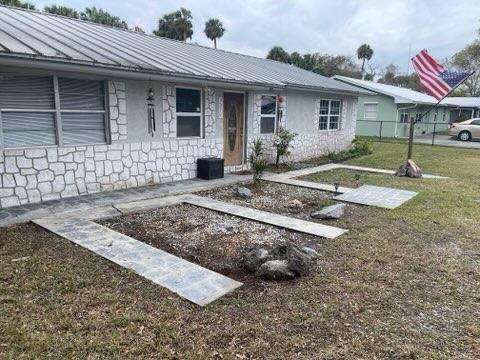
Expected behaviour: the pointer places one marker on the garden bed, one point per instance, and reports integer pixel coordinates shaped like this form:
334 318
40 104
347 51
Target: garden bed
205 237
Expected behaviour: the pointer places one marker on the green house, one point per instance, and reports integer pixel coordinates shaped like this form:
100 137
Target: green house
388 110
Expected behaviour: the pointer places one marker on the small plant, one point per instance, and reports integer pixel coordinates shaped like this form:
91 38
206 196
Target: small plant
362 146
282 143
258 160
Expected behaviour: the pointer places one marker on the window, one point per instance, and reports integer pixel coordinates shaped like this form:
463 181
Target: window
151 123
371 111
404 118
475 122
418 117
46 110
189 112
329 114
268 114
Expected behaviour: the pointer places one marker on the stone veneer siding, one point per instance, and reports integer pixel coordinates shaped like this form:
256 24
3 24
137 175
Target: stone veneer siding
41 174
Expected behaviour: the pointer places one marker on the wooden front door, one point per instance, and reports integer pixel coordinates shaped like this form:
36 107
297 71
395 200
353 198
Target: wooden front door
233 117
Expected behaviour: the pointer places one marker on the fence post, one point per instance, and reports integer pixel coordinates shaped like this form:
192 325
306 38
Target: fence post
433 135
381 126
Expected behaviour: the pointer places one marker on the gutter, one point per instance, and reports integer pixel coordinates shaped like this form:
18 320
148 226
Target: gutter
398 112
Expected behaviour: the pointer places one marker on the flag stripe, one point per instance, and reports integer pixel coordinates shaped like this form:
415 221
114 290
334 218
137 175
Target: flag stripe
426 64
440 83
429 83
438 68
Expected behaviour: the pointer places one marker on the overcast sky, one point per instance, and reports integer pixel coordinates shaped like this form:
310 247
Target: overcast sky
335 27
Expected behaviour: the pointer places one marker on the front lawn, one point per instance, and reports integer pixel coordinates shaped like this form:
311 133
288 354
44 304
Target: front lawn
401 284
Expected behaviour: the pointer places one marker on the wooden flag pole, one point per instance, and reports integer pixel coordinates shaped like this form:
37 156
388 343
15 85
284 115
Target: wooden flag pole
409 168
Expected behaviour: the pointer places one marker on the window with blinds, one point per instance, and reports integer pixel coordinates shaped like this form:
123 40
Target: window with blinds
46 110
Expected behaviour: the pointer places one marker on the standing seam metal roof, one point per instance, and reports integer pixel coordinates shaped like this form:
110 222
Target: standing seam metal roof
36 35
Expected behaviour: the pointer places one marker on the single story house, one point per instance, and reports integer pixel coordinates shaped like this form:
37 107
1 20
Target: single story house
463 108
86 108
387 111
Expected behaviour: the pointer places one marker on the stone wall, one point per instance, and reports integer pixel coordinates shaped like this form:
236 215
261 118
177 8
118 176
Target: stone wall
118 110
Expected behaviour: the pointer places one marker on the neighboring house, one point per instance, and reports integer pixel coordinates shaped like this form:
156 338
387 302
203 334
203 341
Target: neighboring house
87 108
463 108
389 109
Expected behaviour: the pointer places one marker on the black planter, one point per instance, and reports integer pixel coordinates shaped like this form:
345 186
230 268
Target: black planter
210 168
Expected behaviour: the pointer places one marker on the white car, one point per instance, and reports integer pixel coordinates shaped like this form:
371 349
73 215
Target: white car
466 130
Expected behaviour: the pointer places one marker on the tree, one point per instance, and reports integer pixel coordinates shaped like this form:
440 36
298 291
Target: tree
62 10
18 3
364 52
176 25
100 16
214 30
279 54
282 142
329 65
468 60
296 59
138 29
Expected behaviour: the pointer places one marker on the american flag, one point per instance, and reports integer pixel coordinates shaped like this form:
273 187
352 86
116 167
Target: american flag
437 81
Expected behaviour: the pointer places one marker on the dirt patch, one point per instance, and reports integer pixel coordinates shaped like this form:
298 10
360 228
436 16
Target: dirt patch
208 238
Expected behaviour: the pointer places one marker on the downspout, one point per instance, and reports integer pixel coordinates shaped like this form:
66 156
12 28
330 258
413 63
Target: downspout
398 112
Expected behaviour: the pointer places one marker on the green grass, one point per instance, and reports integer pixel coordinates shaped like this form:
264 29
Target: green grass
400 284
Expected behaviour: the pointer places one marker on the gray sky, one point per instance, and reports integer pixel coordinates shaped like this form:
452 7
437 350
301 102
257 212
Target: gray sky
335 27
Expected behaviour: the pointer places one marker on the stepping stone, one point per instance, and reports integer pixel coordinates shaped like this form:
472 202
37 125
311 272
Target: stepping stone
384 197
335 211
191 281
265 217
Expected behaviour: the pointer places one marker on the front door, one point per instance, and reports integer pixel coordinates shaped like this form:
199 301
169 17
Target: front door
233 128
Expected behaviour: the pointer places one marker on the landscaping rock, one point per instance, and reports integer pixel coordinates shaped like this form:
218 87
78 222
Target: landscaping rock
308 250
275 270
295 204
254 258
243 192
409 169
298 260
330 212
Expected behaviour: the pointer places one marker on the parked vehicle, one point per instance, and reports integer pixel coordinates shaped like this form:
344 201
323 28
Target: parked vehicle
466 130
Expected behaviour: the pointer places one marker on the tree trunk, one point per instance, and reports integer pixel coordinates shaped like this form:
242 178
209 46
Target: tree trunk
363 69
215 42
277 161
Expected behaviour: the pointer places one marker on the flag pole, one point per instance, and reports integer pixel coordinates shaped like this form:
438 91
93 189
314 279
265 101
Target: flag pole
402 170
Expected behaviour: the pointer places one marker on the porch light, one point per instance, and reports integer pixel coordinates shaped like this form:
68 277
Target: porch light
151 94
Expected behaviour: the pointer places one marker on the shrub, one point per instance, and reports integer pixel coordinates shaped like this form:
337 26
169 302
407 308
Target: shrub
258 160
282 143
360 147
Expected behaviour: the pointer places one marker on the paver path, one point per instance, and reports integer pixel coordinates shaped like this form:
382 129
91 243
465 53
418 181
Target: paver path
388 198
191 281
286 222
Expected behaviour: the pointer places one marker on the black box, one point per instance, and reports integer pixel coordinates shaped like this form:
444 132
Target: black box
210 168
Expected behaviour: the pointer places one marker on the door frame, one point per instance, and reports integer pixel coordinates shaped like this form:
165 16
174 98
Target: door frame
244 123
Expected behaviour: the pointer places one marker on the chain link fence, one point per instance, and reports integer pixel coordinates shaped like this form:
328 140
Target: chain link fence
388 130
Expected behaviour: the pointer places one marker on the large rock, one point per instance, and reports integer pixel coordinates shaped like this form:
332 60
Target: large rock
298 260
243 192
254 258
330 212
409 169
275 270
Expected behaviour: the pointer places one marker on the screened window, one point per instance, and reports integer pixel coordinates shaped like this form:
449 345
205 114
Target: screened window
404 118
371 111
46 110
418 117
268 114
189 112
329 118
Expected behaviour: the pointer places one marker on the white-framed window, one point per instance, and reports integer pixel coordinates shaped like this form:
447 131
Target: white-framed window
330 111
418 117
404 118
268 114
189 112
50 110
370 111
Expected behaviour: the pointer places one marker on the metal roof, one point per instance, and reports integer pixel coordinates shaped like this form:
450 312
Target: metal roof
38 36
400 95
467 101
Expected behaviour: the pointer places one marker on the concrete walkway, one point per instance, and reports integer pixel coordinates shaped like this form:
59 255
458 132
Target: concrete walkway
29 212
286 222
191 281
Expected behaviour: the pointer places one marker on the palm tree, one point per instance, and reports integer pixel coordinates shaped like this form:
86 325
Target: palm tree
364 52
279 54
176 25
62 10
214 30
